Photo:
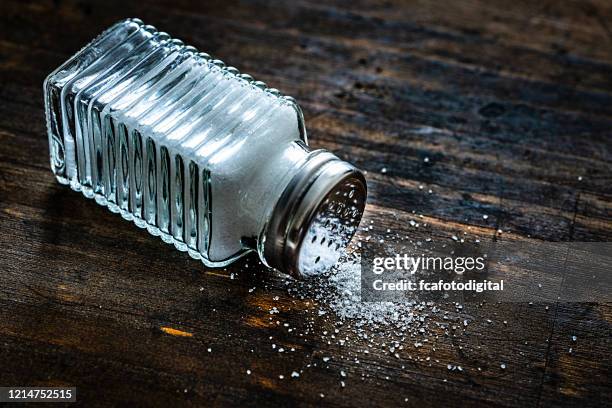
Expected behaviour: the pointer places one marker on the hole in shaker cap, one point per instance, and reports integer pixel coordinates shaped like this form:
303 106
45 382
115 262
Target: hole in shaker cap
335 222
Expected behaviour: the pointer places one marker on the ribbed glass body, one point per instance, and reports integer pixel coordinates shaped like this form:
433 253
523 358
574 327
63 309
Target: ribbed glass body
178 143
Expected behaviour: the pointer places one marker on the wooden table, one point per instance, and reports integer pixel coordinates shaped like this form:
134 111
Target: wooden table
511 103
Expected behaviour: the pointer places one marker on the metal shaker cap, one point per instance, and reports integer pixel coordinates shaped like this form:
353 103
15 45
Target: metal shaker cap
316 216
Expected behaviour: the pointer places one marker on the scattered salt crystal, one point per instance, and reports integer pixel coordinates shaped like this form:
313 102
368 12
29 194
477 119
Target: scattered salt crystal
295 374
485 216
281 376
383 170
326 359
574 338
503 366
426 160
248 372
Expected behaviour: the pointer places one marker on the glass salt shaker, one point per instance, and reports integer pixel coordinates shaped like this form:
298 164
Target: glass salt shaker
197 153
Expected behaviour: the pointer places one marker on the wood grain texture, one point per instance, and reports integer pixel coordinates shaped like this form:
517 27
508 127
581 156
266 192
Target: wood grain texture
511 102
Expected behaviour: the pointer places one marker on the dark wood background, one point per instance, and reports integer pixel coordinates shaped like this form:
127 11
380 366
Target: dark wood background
510 100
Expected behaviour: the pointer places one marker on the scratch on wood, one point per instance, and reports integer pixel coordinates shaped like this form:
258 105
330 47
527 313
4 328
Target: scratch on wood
175 332
221 275
254 321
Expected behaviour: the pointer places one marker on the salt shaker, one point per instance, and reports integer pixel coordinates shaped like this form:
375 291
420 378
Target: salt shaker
197 153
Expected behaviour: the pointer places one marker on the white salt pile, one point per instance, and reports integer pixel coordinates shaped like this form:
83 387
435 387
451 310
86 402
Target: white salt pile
337 294
341 292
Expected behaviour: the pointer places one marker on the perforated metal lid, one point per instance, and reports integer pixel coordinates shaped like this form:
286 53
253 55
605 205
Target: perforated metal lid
316 217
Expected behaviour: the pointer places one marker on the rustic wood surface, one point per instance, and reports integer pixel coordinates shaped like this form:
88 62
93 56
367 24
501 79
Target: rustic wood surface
512 103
